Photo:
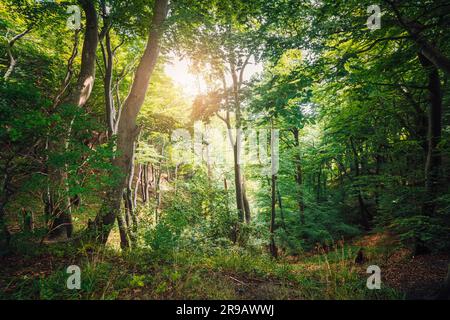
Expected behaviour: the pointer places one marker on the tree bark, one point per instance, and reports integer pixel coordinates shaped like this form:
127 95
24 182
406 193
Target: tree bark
242 203
241 196
280 205
246 203
157 191
130 227
142 184
273 248
432 54
108 61
364 213
12 60
238 181
299 176
127 129
124 237
434 157
137 186
146 187
59 201
428 50
6 193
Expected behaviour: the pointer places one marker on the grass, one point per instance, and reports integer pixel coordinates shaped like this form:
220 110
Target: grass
221 274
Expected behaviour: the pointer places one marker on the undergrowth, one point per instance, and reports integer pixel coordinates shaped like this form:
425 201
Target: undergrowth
232 273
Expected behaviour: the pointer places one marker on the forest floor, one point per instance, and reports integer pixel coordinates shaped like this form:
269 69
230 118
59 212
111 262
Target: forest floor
418 277
224 274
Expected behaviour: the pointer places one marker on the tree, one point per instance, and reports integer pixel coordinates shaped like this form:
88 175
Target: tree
59 202
226 50
128 131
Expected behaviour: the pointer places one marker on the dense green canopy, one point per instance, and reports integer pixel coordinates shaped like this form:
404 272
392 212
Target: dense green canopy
310 127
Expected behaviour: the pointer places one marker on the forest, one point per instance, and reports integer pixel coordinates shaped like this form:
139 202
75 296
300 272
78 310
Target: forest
224 150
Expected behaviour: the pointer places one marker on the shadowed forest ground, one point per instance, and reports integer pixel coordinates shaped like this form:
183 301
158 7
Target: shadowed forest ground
322 274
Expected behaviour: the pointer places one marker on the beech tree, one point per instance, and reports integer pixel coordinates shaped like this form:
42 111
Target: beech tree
58 201
128 131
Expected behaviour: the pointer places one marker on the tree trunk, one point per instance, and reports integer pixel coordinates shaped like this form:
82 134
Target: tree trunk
12 60
433 55
434 157
59 201
273 248
146 190
108 61
427 50
280 205
363 211
142 181
242 203
299 176
238 181
5 236
124 238
130 209
319 184
157 191
246 203
137 186
127 129
241 196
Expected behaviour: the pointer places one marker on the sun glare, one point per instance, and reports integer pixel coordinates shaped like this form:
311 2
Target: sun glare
178 70
194 84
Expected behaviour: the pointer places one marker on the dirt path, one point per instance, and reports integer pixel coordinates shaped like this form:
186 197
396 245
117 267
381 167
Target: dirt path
418 277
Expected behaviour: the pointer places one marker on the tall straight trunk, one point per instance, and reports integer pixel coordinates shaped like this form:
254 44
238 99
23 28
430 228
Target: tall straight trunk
273 248
238 181
146 183
137 186
280 205
126 201
319 185
246 203
241 195
158 192
130 226
142 183
127 129
5 195
363 211
108 61
299 176
242 203
434 157
233 233
123 232
59 201
5 236
111 116
378 186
